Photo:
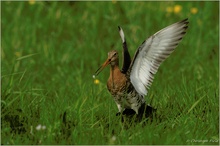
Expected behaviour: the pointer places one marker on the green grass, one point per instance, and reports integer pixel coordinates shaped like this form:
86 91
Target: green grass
49 51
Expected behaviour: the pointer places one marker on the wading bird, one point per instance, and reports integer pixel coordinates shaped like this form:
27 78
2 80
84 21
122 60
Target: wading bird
129 85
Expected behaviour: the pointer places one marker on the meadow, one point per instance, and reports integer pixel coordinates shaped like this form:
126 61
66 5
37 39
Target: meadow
50 50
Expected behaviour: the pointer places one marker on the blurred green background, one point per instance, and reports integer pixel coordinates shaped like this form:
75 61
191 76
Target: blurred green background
49 51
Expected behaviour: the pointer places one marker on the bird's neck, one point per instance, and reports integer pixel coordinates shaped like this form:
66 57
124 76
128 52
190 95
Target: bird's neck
114 71
114 68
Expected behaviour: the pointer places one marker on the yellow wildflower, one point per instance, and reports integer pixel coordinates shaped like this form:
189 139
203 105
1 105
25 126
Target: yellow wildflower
18 54
177 9
169 9
96 81
31 2
193 10
114 1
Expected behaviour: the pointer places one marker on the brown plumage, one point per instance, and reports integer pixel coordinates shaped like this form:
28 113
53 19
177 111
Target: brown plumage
120 86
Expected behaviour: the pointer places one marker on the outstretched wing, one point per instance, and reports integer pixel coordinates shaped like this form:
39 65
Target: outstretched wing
126 56
152 53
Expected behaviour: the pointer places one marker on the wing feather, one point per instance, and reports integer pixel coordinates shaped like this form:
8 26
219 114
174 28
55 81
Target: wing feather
152 53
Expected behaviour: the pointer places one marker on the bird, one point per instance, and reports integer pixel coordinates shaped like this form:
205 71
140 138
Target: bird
129 85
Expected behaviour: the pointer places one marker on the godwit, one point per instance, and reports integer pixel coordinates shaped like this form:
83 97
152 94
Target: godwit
129 85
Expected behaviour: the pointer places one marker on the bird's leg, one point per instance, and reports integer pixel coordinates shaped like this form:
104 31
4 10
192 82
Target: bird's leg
118 113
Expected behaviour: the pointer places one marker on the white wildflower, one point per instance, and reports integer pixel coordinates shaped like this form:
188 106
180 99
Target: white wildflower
41 127
38 127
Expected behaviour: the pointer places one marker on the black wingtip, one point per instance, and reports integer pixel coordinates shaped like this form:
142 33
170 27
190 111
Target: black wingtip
186 20
186 27
119 28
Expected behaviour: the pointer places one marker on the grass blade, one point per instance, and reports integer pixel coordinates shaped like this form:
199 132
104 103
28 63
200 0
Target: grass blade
194 105
26 56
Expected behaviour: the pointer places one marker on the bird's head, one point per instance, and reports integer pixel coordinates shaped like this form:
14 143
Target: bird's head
112 59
